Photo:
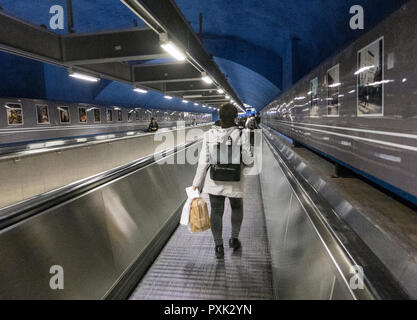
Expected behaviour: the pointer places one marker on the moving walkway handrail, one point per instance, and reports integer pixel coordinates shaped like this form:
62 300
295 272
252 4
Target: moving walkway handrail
344 246
22 149
28 208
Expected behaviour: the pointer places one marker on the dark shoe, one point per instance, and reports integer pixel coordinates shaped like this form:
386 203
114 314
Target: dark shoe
219 252
234 243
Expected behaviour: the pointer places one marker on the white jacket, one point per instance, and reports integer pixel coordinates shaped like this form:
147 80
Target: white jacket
211 138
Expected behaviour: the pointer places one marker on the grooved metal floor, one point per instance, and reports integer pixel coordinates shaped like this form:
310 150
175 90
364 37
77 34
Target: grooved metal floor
187 268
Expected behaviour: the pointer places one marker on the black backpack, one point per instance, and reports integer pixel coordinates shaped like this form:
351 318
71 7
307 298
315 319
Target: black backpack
252 125
226 172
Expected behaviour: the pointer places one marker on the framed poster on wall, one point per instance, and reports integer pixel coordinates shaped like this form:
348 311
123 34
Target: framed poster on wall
370 79
314 97
97 115
109 115
14 113
42 114
64 115
333 91
82 115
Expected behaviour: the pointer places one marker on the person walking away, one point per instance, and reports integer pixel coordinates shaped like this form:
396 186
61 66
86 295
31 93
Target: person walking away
252 125
241 122
258 119
219 188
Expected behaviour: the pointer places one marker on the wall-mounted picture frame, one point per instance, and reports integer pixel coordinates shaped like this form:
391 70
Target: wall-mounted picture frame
82 115
14 113
314 97
64 115
109 115
370 79
97 115
42 114
333 91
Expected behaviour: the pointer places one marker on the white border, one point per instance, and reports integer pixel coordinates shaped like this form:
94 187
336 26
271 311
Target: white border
327 91
383 78
7 115
37 115
59 114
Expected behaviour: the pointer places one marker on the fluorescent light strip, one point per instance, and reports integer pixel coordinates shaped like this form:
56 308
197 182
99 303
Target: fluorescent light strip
363 69
387 133
140 90
168 97
84 77
390 144
172 49
335 85
207 79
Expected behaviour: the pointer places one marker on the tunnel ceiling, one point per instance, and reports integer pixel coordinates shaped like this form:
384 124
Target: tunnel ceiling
261 46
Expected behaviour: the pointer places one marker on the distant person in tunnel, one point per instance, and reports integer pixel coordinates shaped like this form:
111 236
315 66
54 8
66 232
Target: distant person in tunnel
252 125
153 126
241 122
222 179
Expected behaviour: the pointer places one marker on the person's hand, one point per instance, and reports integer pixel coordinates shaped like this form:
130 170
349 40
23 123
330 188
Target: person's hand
195 188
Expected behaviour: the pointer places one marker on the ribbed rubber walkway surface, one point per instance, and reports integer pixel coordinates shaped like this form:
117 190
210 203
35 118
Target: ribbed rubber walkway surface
187 268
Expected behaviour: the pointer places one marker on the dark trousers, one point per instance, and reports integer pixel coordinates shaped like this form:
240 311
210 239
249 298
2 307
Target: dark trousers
216 219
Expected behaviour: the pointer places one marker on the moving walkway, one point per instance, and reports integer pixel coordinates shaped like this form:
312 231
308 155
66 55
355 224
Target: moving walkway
116 236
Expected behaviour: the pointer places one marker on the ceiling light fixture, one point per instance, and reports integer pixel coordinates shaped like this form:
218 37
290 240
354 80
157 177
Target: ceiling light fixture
140 90
168 97
84 77
206 78
173 51
171 48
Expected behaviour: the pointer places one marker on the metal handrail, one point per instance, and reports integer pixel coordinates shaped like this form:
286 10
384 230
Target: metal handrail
345 247
20 150
28 208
